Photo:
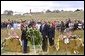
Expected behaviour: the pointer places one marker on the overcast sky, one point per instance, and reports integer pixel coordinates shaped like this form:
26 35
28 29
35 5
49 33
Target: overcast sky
25 6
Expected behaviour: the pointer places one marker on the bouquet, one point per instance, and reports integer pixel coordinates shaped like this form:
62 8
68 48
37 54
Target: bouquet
34 36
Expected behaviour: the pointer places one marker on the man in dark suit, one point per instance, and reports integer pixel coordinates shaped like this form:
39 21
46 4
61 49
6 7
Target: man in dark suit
23 36
51 34
44 32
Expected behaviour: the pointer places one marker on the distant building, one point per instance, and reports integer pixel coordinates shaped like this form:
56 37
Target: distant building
25 14
17 13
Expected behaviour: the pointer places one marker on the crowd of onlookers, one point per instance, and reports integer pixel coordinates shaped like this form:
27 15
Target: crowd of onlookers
10 24
59 25
47 29
73 25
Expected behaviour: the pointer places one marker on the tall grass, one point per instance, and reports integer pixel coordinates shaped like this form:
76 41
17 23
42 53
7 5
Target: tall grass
47 16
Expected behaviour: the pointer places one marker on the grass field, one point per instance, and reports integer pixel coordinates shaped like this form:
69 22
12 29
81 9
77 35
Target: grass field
4 35
48 17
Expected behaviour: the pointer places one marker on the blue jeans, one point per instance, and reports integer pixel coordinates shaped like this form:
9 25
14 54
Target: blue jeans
24 45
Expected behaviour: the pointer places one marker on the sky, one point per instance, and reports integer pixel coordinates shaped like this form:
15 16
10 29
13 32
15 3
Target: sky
37 6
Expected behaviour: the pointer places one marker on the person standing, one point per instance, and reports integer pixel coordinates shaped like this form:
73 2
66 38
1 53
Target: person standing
51 34
58 25
23 36
62 27
80 25
71 25
67 22
75 25
44 32
83 24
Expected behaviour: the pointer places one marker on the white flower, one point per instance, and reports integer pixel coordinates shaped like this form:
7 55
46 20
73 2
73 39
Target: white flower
74 52
66 40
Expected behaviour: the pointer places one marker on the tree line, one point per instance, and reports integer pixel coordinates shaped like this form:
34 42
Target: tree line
10 12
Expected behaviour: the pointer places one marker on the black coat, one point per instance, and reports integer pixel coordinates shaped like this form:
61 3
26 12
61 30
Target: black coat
75 26
51 32
23 32
23 35
44 31
67 23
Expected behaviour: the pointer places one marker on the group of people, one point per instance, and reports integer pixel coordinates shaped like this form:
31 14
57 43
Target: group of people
71 24
48 33
47 30
10 24
59 25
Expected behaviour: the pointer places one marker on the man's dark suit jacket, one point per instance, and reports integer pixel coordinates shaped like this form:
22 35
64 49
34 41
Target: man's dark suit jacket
44 31
51 32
